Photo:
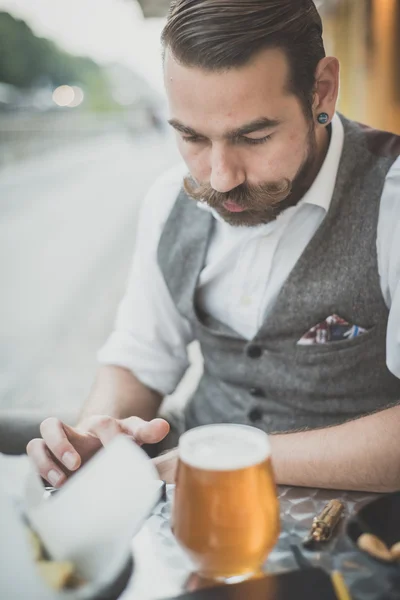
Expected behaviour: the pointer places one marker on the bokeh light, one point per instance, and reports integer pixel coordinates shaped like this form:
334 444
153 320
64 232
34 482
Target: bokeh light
78 97
70 96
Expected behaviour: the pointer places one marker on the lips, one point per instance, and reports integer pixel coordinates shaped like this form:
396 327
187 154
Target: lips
233 207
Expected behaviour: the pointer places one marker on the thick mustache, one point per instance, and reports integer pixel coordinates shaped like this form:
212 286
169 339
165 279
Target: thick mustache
247 196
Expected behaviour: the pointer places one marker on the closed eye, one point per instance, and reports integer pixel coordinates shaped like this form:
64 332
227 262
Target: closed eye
253 141
193 139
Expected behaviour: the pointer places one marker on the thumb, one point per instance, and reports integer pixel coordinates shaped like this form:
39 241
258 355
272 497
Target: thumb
145 432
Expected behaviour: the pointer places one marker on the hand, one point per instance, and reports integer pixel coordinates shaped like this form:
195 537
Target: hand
166 465
63 449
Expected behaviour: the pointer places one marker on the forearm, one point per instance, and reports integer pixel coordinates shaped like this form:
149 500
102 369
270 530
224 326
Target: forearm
118 393
358 455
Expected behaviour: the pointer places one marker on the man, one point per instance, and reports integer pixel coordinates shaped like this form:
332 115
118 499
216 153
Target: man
286 233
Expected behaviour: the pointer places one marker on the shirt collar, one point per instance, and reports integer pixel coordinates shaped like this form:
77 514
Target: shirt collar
321 191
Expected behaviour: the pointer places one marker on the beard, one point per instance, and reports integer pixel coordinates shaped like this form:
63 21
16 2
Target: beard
262 203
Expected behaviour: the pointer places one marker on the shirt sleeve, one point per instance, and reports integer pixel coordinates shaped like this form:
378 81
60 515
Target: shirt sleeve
388 241
150 337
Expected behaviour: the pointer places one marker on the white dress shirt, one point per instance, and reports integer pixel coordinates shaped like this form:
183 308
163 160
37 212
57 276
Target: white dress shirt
151 337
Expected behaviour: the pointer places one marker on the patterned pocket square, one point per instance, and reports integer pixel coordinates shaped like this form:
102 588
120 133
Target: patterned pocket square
333 329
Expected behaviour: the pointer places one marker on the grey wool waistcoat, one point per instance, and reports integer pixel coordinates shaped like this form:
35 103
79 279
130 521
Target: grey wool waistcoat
272 382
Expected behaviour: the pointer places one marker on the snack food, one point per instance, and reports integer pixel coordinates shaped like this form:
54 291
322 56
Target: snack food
57 574
374 546
35 543
378 549
395 551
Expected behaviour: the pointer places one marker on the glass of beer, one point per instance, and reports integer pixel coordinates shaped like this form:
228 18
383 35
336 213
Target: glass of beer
226 510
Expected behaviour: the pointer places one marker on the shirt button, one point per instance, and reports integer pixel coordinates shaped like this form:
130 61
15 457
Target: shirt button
258 392
255 415
254 351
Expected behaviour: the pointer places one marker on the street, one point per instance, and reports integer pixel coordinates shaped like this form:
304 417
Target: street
67 233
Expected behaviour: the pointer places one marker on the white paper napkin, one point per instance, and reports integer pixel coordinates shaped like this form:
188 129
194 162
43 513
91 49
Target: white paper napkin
90 521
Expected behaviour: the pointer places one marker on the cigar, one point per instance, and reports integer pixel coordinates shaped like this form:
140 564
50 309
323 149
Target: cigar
324 524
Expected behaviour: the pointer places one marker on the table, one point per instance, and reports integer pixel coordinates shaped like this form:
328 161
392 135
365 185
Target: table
162 569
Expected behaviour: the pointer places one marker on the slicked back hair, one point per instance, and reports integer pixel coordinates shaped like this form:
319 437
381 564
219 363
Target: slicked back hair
218 35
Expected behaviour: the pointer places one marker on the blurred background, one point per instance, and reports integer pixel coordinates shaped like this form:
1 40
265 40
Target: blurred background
82 137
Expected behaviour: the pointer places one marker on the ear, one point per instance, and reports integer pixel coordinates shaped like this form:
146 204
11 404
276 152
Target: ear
326 87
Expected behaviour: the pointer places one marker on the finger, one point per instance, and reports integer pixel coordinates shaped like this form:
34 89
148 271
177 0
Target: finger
104 427
56 439
146 432
47 467
84 442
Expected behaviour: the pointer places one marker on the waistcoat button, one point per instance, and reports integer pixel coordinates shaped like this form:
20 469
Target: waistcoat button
255 414
254 351
258 392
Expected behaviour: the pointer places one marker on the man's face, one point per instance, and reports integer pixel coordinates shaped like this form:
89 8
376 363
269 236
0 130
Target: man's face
245 139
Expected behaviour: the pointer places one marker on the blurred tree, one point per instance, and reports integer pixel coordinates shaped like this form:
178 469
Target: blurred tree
28 61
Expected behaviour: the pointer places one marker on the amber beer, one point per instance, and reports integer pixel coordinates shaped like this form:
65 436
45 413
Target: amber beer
226 511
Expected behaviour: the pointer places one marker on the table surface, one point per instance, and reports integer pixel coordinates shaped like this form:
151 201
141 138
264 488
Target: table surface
162 569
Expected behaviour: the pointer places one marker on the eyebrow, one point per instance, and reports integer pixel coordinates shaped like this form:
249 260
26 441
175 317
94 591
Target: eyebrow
256 125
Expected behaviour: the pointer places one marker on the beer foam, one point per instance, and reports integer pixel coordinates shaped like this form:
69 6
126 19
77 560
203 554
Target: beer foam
224 447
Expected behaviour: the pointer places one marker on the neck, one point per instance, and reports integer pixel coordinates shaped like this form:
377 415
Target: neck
322 141
323 138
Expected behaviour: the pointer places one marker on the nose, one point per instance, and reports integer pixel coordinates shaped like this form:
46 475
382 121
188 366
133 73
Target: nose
226 171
